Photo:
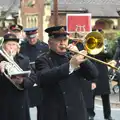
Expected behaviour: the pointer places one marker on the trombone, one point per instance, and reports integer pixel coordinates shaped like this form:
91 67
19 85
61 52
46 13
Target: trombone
94 44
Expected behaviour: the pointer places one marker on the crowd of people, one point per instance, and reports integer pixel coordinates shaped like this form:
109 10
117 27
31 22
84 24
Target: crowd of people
61 85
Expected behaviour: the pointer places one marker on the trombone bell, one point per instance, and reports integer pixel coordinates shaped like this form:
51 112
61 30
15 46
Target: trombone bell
94 43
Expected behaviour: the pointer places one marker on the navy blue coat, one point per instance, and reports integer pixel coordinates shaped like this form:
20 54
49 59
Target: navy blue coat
14 102
61 91
32 51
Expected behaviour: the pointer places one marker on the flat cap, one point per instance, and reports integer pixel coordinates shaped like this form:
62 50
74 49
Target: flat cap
10 37
16 27
31 32
57 31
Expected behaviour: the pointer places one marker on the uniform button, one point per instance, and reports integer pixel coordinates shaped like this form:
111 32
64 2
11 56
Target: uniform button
49 58
67 107
22 107
63 93
40 51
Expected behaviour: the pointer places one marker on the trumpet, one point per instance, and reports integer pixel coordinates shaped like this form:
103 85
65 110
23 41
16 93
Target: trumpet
93 43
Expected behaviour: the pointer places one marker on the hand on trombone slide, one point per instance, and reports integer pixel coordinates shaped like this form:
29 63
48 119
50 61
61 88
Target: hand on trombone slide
112 63
76 59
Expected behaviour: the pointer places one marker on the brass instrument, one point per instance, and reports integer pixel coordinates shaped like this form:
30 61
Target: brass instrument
12 68
93 43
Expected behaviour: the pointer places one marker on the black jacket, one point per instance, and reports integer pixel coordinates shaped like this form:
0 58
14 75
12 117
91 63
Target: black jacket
103 78
14 102
61 91
32 51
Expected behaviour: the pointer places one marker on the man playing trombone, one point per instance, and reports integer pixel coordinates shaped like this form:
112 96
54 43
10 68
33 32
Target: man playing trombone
13 93
60 77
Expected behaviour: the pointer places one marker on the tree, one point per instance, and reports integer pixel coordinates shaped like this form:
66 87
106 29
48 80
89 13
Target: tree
5 13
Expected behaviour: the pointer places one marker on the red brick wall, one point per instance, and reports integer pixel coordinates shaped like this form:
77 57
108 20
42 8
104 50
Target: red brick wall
38 9
27 9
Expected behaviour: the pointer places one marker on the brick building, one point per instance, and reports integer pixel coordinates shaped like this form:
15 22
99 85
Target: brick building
32 12
105 13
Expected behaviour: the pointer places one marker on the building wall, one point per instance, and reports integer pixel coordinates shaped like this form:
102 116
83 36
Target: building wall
46 19
108 24
33 16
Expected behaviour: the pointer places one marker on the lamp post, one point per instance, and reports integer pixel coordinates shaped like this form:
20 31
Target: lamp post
55 12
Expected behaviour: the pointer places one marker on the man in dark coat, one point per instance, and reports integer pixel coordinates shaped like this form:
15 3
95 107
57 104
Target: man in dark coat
31 47
116 56
13 94
60 78
102 85
88 86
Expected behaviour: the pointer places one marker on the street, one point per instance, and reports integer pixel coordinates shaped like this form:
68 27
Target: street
99 113
98 109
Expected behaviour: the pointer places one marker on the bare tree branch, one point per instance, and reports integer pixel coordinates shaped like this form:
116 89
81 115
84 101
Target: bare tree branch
7 12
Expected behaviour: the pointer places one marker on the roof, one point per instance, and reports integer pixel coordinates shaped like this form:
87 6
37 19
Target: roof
6 4
103 8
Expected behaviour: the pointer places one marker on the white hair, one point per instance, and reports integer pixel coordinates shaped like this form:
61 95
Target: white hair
18 46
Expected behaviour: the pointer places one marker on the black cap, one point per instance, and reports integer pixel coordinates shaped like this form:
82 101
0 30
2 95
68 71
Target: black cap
57 31
10 37
16 27
31 32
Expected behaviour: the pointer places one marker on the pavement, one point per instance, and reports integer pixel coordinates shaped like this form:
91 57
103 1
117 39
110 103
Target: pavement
114 98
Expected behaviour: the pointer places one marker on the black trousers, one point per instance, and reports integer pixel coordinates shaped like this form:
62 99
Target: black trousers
106 106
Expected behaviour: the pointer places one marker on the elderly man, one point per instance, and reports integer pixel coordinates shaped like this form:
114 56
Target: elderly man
60 77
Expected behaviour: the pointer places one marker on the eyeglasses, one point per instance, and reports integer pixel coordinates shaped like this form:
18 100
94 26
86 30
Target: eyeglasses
99 30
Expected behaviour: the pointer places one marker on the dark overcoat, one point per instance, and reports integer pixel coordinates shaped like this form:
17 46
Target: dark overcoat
61 91
87 84
14 102
103 86
88 92
117 53
32 51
